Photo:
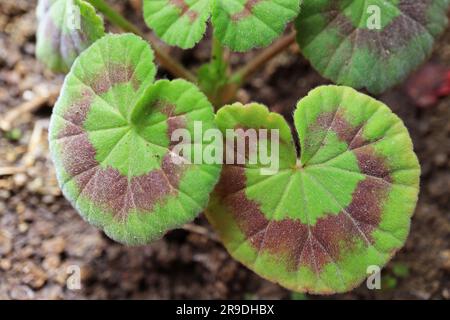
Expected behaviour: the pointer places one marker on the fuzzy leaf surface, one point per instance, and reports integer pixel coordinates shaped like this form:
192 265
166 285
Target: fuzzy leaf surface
180 23
322 220
239 24
65 29
371 44
110 140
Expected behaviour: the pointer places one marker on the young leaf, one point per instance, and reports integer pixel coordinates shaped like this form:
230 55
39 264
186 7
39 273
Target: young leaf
318 223
66 28
211 78
239 24
110 140
42 7
369 44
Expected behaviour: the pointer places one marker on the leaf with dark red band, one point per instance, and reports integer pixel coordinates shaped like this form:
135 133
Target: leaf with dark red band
369 44
320 222
111 141
239 24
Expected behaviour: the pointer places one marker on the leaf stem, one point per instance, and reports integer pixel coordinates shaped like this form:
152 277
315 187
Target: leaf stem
221 65
217 52
260 60
163 57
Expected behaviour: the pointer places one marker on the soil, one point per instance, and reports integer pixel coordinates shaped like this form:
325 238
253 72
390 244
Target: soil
42 237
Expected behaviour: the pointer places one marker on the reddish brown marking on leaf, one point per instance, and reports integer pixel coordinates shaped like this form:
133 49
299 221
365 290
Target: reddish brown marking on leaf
330 122
358 140
78 111
312 246
371 164
336 122
367 203
401 30
185 10
232 180
251 141
112 191
416 10
76 114
106 187
78 154
246 11
174 121
344 130
115 73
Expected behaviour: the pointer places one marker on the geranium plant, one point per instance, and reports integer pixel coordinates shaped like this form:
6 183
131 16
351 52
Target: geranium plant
339 205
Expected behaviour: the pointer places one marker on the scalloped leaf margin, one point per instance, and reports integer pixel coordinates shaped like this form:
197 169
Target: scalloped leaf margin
239 24
110 140
369 44
321 221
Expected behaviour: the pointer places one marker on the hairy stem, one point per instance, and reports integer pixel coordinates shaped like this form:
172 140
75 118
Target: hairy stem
260 60
217 52
218 59
173 66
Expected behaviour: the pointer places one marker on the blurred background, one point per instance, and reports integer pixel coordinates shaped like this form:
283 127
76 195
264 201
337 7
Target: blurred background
43 240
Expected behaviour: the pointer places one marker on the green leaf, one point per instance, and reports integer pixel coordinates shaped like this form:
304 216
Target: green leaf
370 44
318 223
180 23
66 28
110 140
239 24
245 24
211 77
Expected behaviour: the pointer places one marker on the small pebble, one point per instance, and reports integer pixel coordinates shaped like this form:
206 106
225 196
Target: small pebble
20 179
34 276
5 264
54 246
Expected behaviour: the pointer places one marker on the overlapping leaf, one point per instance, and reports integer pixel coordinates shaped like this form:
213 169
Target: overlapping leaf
111 141
345 205
239 24
369 44
66 28
246 24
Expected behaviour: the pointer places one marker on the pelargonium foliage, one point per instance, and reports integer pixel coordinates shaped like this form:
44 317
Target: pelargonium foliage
110 140
66 28
239 24
322 220
369 44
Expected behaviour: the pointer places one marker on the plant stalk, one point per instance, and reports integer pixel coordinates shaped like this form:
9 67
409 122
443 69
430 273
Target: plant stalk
163 57
218 97
217 52
260 60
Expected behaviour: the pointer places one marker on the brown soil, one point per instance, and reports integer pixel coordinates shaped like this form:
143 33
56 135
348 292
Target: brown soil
41 235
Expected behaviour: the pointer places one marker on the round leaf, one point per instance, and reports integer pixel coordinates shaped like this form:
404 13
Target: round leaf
178 22
322 221
110 140
66 28
245 24
369 44
239 24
